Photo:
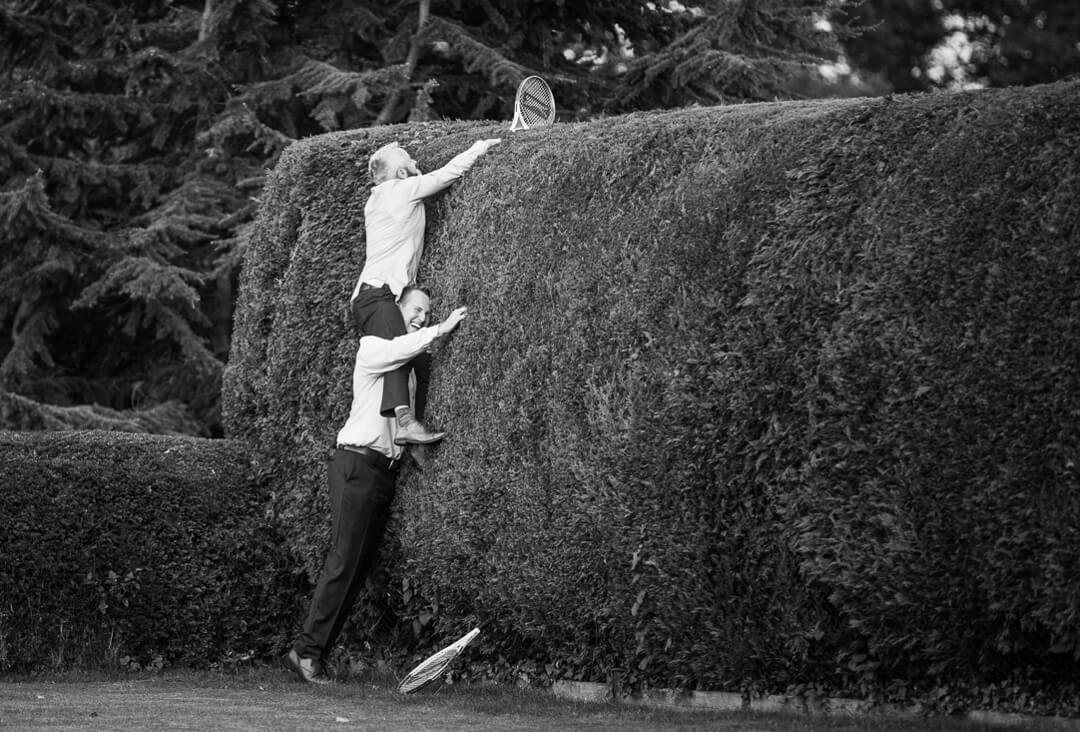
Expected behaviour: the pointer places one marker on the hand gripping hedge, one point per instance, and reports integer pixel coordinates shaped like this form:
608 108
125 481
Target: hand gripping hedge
434 665
534 105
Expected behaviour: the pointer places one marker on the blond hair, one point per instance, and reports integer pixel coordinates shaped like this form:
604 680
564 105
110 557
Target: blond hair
378 167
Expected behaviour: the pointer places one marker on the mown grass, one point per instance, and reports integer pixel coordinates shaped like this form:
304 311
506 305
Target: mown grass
264 698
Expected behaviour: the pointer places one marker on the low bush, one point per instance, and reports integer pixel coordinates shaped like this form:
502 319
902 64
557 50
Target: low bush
133 550
747 397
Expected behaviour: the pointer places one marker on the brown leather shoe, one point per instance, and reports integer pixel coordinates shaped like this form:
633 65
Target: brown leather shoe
411 432
309 670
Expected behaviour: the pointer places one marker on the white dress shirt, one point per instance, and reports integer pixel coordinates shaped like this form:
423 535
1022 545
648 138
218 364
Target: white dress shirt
394 220
376 356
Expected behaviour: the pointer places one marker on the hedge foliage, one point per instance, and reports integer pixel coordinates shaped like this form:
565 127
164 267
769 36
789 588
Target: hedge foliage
754 394
130 550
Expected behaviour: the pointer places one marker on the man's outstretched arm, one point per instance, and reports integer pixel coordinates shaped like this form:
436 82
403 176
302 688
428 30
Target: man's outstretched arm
428 184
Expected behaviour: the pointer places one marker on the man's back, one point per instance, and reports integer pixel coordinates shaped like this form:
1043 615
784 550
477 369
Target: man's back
394 221
394 215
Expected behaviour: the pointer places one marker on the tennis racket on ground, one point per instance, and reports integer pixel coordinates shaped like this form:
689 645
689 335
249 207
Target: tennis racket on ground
534 105
435 665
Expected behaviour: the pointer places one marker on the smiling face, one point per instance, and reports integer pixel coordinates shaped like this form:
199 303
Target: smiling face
415 307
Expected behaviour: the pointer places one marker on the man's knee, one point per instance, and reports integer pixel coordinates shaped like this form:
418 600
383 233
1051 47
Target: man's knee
384 321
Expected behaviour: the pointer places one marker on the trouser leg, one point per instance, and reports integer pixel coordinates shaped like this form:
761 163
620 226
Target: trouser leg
376 313
421 366
360 499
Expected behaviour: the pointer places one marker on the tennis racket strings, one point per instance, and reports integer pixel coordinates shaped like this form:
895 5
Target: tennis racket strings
434 665
534 105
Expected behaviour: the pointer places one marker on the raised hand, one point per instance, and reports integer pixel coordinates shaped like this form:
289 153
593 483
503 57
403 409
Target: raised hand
452 320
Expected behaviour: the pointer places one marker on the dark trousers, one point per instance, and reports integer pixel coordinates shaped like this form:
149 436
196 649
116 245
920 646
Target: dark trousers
360 498
376 313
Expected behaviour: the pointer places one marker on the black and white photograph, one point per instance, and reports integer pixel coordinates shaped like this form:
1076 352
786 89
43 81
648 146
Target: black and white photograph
545 365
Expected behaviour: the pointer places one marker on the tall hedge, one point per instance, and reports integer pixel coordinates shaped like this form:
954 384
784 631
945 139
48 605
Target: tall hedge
752 394
123 550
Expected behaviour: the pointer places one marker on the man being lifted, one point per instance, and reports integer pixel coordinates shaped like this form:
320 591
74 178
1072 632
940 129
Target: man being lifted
394 221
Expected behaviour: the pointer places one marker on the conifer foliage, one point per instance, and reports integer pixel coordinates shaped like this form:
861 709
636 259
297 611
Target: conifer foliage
113 203
134 138
920 46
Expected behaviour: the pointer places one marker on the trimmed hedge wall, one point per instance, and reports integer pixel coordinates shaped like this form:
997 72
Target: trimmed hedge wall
748 396
129 550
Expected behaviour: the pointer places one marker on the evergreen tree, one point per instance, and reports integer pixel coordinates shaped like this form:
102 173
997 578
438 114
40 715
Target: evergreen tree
134 138
113 289
1007 42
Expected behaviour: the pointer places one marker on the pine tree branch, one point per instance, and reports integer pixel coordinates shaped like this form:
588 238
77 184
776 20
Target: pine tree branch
238 121
333 90
25 215
476 56
168 418
738 51
34 321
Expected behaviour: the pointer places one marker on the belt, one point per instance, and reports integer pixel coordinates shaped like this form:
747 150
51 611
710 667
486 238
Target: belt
373 456
369 286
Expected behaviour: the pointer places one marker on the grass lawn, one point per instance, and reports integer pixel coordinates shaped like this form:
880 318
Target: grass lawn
267 699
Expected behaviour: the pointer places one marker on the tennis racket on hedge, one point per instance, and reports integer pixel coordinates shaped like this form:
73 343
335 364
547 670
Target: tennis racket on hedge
435 665
534 105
